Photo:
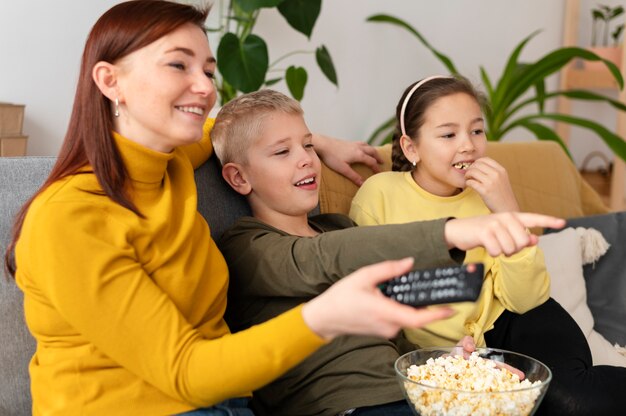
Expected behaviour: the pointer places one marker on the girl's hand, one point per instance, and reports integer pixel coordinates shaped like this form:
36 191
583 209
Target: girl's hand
491 181
466 346
354 305
339 154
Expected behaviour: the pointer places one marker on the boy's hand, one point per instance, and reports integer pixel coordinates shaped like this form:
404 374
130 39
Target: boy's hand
491 181
501 233
354 305
339 154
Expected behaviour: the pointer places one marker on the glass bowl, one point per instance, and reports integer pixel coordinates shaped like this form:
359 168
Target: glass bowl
427 400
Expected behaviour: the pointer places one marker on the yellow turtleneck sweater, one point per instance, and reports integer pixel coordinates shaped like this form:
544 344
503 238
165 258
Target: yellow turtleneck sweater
128 311
516 283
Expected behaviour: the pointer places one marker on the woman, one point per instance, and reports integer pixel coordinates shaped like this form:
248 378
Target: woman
124 290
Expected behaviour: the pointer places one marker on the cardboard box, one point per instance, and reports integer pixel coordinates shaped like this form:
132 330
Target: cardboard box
13 145
11 119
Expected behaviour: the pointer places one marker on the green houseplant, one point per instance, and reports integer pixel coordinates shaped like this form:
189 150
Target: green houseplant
518 97
608 47
242 56
602 17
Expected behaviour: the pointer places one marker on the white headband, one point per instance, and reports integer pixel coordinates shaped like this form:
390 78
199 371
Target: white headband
408 97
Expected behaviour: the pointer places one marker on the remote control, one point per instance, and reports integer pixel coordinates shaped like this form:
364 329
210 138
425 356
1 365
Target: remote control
437 285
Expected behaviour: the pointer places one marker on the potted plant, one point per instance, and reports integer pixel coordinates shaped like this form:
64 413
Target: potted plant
517 98
604 41
242 57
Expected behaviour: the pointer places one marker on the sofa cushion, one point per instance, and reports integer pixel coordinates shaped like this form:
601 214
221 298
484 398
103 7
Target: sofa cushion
20 177
543 178
218 203
336 191
606 279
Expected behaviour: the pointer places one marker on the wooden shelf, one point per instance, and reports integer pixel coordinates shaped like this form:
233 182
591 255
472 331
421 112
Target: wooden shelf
585 78
573 77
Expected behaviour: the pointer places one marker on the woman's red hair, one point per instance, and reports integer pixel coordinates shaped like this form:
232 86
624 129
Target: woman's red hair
120 31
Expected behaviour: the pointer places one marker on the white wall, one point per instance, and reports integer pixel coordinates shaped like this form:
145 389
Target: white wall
41 44
582 142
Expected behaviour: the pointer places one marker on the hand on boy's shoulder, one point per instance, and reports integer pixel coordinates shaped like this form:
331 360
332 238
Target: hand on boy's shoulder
339 155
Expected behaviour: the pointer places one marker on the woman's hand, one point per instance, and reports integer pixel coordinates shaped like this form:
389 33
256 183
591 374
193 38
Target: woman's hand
491 181
354 305
503 233
339 154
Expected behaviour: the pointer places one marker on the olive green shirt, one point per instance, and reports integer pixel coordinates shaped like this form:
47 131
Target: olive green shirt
272 271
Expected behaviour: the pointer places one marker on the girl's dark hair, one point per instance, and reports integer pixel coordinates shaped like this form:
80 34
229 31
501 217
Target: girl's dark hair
121 30
419 102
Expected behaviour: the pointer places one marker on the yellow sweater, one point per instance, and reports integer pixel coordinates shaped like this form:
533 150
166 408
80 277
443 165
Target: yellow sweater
517 283
127 311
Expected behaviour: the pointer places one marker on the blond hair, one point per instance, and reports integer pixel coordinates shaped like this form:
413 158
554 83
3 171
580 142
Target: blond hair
240 121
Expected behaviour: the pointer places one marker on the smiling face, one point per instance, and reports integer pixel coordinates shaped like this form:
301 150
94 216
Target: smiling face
166 90
450 140
282 170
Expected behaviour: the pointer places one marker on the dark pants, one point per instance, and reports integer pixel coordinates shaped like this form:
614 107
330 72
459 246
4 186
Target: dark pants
400 408
549 334
232 407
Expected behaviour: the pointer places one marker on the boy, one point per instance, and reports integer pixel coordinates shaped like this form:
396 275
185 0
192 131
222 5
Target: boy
281 257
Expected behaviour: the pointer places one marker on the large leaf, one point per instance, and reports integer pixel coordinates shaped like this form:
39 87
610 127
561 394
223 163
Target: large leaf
296 78
540 89
487 110
486 81
387 128
617 33
573 94
249 6
499 106
615 142
227 92
547 65
243 64
384 18
272 81
592 96
616 12
301 14
325 63
510 70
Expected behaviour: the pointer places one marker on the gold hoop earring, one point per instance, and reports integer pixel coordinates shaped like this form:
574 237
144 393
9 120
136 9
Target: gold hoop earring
117 108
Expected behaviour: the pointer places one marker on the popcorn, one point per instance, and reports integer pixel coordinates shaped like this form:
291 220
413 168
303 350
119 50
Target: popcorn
474 386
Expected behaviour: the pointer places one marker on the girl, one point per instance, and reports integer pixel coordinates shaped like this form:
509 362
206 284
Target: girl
440 170
124 290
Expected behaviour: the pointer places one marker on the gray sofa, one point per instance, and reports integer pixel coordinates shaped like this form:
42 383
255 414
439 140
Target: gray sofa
21 177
